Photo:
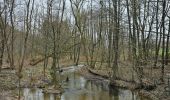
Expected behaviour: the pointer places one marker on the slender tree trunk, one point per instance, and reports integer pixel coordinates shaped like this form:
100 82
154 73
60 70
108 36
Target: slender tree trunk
157 28
116 5
163 40
167 46
12 35
2 53
130 31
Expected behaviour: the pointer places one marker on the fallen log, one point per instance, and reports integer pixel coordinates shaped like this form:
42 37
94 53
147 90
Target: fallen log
34 62
95 73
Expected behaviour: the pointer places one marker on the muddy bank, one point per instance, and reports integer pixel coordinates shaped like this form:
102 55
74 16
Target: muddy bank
155 94
9 83
90 75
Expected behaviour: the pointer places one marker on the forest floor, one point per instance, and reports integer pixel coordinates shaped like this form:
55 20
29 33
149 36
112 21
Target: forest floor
33 77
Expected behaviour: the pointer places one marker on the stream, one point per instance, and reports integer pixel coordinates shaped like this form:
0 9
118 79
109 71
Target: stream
79 88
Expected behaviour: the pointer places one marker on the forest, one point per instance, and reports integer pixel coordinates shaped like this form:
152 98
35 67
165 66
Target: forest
84 49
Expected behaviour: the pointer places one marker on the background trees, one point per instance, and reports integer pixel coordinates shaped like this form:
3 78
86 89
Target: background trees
101 33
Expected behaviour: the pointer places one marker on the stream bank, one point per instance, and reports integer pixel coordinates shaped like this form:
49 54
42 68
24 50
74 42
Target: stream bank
156 93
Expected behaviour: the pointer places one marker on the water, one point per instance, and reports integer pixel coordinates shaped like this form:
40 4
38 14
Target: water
78 88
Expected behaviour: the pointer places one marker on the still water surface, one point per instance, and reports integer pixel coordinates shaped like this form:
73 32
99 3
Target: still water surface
78 88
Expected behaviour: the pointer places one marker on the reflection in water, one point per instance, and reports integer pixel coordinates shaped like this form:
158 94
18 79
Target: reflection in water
33 94
78 88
